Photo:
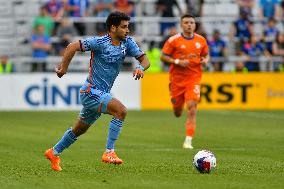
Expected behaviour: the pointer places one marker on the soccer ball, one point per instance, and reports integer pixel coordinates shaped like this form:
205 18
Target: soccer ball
204 161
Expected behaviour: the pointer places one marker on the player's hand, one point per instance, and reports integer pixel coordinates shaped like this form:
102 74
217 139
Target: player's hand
60 71
183 63
138 73
203 61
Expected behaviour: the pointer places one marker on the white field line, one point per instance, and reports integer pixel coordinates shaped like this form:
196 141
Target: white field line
193 150
213 149
249 114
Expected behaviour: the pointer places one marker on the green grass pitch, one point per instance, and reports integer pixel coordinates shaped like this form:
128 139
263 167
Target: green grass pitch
248 145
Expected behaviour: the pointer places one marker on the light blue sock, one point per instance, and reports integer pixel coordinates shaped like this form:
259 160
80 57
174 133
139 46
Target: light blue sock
115 126
68 138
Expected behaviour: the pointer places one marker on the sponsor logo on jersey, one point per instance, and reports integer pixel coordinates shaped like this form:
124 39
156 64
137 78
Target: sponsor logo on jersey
123 51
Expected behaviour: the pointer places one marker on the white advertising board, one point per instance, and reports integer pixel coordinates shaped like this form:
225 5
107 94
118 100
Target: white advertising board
48 92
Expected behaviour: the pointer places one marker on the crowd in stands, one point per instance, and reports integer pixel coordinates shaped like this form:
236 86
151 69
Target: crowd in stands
248 43
56 21
6 66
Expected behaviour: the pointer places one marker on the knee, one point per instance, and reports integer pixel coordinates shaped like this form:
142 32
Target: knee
177 113
191 111
121 114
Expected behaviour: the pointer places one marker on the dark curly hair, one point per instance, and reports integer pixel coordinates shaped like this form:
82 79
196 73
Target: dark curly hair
187 16
115 18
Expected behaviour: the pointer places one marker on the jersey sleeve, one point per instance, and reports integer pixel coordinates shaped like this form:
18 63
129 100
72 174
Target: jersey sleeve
89 44
133 49
168 47
205 49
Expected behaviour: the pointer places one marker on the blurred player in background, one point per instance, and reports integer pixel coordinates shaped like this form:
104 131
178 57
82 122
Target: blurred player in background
186 52
107 55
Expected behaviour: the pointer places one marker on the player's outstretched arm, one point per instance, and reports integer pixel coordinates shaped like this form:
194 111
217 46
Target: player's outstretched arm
70 51
144 61
139 70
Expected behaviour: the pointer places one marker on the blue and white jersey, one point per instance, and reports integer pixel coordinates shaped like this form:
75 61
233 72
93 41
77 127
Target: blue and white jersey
270 36
106 59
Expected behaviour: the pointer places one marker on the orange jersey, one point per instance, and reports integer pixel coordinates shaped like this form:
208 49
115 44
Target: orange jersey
180 47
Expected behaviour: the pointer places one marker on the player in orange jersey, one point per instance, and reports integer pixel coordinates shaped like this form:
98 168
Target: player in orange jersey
186 52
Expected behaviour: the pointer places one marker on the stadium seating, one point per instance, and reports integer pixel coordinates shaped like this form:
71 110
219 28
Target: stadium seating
16 24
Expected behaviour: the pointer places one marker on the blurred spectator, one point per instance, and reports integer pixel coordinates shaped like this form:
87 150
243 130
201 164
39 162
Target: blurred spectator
194 7
6 66
253 49
153 55
55 9
246 5
77 9
127 7
241 30
281 15
171 31
240 67
165 7
45 20
282 9
41 46
200 29
218 50
269 9
102 8
65 33
278 50
270 33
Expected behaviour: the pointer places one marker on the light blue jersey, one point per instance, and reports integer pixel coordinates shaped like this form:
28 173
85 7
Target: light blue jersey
106 59
105 63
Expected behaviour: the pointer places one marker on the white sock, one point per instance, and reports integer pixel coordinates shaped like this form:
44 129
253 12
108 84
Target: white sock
109 150
188 139
55 152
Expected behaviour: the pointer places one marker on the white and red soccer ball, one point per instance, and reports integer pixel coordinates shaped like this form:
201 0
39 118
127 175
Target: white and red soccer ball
204 161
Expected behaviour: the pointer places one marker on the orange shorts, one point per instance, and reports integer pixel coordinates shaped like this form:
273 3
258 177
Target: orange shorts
181 94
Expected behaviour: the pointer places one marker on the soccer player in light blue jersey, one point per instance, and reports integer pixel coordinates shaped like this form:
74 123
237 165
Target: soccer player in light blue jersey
107 55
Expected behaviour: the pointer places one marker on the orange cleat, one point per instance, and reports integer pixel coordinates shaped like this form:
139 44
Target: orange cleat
54 160
111 157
